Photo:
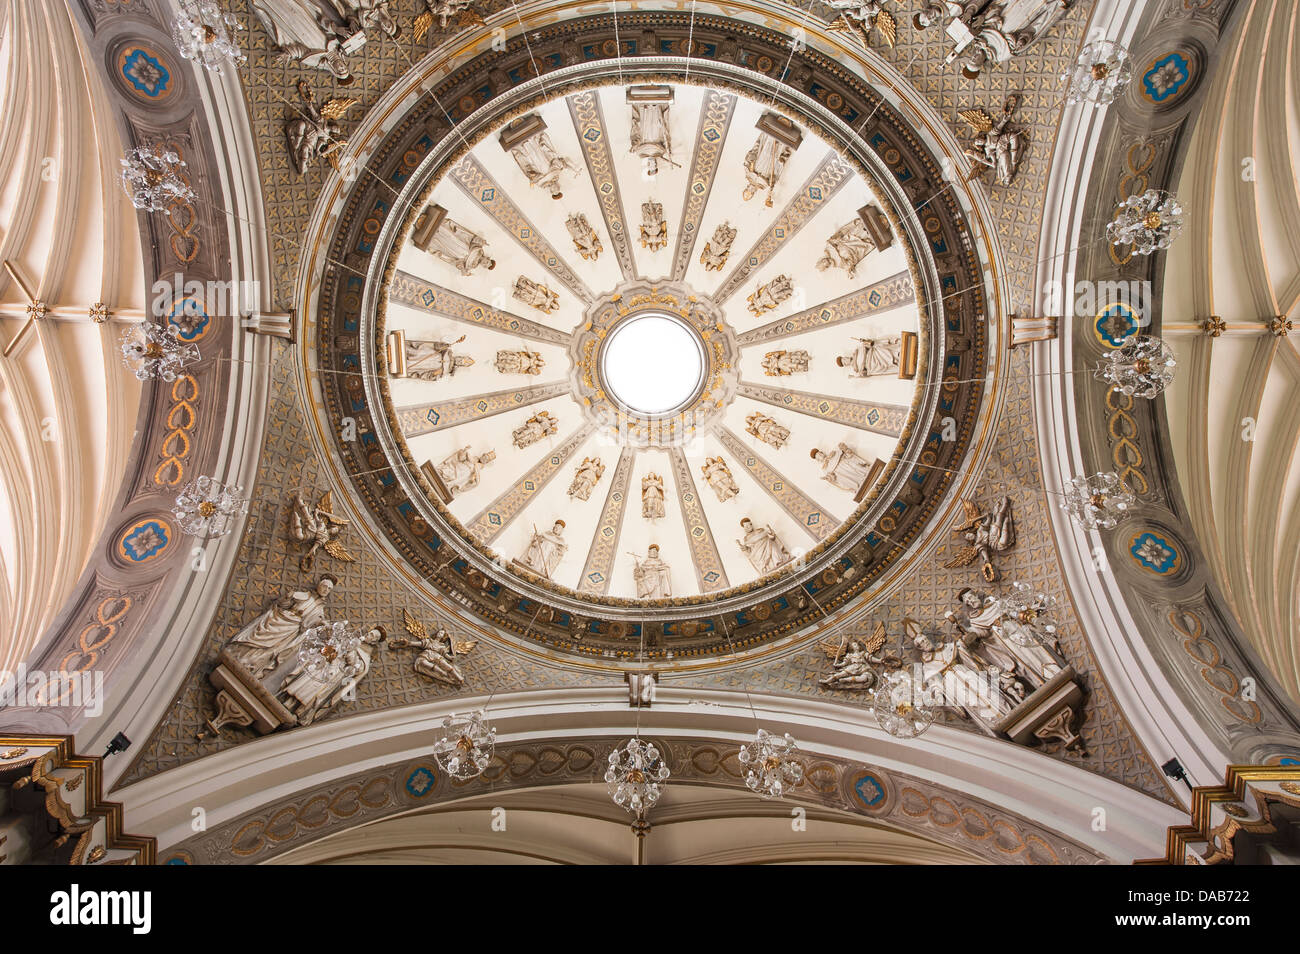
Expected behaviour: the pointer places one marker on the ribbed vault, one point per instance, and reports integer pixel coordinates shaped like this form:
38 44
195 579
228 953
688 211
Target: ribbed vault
1234 410
67 404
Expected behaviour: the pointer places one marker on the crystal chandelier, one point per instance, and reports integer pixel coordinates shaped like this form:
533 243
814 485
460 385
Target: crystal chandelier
328 651
898 706
156 351
206 507
1143 366
1098 502
1101 73
152 178
1146 222
1024 609
206 34
635 776
771 768
464 744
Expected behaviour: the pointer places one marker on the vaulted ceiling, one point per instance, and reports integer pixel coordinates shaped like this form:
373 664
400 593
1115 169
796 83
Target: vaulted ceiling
1234 408
67 403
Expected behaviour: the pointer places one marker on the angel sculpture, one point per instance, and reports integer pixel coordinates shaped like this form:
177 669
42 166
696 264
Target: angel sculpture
860 16
466 16
314 135
437 658
318 528
985 534
852 663
999 144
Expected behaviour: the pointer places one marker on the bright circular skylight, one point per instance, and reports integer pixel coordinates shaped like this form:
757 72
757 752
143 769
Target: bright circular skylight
652 364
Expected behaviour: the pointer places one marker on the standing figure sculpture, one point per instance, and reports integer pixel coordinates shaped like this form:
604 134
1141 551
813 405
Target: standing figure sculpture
535 294
762 547
779 364
718 476
586 477
652 497
718 248
847 247
872 356
767 297
766 429
651 576
585 240
843 467
450 241
650 140
434 360
540 425
530 145
460 470
520 362
763 166
545 550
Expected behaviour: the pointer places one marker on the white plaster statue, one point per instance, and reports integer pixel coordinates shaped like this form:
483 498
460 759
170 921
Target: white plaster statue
539 160
433 360
853 664
520 362
318 528
444 10
261 645
718 475
586 477
540 425
847 247
985 534
766 429
779 364
535 294
872 356
460 247
651 576
762 547
300 30
545 550
585 240
985 33
362 15
650 139
437 652
999 143
766 297
718 248
654 227
962 679
309 697
763 165
991 634
842 467
652 497
460 470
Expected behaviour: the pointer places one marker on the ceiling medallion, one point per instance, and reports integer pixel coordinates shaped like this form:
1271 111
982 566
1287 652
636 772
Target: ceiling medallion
596 429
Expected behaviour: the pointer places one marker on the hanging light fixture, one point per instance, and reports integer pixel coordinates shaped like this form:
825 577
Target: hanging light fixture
1024 610
1101 73
1146 222
207 34
328 651
464 744
898 706
206 507
156 351
771 766
635 776
1142 367
1098 502
152 178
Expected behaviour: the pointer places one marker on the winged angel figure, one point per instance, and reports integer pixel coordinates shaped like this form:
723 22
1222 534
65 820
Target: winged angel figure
999 144
985 534
317 528
443 10
859 17
315 134
437 658
853 661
